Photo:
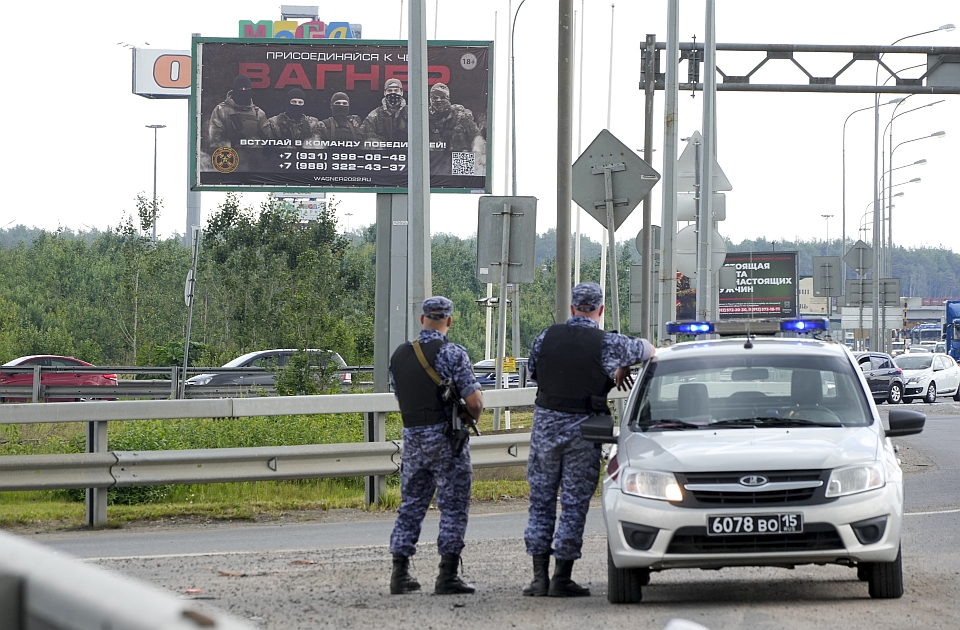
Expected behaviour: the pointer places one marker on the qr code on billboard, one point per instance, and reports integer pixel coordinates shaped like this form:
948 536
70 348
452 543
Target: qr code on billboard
464 163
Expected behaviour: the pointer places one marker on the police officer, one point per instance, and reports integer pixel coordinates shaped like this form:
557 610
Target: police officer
575 364
429 462
388 123
292 123
342 125
236 118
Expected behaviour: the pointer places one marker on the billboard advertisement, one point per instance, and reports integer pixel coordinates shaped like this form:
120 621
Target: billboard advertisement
283 115
766 285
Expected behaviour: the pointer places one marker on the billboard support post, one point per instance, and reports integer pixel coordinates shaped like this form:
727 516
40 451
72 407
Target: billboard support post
418 186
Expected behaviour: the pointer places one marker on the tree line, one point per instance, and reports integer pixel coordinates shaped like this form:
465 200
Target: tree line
266 280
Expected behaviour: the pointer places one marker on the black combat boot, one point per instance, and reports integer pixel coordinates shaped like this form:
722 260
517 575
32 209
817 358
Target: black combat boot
561 585
401 581
540 585
448 582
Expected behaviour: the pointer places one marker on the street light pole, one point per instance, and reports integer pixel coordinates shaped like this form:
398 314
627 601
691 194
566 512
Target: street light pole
153 218
827 217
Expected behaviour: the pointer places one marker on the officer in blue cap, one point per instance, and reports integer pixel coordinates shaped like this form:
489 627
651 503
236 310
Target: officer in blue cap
575 365
430 464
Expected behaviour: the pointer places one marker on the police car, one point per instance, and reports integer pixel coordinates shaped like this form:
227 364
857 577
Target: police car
752 450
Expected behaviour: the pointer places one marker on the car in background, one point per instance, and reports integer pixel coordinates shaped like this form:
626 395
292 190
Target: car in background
927 375
269 363
752 451
883 376
64 378
919 350
486 373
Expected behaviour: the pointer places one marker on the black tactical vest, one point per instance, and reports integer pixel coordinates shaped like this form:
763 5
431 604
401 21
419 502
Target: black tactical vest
420 402
242 124
570 375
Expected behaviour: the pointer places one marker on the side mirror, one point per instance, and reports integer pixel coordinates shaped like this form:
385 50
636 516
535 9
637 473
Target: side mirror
905 422
598 429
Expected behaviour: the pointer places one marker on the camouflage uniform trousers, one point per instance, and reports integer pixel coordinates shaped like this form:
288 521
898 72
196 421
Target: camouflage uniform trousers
560 459
429 465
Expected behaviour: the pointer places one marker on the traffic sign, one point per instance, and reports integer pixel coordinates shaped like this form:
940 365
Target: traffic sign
188 288
687 174
685 248
655 229
632 178
826 276
523 237
860 257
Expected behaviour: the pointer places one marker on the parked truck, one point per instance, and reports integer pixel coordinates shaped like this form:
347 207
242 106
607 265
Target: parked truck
951 328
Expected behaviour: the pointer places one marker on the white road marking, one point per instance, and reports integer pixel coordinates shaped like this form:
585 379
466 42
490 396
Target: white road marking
925 513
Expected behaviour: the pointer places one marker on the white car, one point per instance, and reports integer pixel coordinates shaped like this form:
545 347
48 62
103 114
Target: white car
927 375
752 452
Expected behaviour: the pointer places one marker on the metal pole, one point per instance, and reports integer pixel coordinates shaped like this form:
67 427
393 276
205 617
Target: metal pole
96 498
513 103
646 254
606 237
502 325
573 206
668 273
564 157
507 151
374 427
193 197
611 234
420 279
489 323
154 209
705 218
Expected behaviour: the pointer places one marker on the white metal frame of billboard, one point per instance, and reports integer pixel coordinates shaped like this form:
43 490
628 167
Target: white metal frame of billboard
322 68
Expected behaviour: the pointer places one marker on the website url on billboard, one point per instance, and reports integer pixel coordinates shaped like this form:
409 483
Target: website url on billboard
342 179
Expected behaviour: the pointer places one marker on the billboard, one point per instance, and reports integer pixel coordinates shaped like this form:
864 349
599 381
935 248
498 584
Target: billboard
332 115
161 73
766 285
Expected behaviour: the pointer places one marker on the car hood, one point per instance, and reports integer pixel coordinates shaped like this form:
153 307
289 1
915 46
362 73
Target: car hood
923 372
751 449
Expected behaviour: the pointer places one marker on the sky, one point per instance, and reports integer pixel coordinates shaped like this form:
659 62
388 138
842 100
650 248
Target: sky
83 153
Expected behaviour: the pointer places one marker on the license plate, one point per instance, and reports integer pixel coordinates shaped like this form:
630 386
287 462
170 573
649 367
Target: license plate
754 524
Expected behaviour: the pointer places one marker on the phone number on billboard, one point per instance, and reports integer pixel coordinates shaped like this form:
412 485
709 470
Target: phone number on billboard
324 161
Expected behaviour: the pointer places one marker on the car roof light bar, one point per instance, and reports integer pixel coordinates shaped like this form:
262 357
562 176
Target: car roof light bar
689 328
810 325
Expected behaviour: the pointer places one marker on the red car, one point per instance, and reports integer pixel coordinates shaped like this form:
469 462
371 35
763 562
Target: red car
50 377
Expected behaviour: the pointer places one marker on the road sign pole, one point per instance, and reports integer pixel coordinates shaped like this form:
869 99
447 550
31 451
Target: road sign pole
646 253
502 311
611 233
668 269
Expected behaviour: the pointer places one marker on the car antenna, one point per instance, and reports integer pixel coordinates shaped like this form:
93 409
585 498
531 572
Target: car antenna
749 342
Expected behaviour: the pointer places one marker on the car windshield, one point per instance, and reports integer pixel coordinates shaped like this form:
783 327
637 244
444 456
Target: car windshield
738 392
914 362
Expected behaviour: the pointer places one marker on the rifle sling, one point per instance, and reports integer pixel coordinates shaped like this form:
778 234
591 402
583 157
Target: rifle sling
423 361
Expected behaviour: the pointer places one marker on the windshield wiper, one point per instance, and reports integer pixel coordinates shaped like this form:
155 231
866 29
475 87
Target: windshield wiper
775 421
676 425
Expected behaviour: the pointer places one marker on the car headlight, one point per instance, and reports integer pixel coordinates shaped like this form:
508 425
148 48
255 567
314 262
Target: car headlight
914 379
202 379
854 479
650 485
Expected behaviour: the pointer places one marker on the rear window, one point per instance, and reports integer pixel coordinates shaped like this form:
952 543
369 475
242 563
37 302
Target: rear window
756 390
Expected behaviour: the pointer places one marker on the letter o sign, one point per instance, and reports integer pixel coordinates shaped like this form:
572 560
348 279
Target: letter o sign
172 71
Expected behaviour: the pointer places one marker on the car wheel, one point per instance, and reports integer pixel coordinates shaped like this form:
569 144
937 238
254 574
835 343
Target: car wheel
623 585
886 579
956 395
907 401
863 572
931 396
896 394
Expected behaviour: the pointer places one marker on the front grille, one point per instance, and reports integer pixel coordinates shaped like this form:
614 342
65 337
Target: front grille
702 498
815 537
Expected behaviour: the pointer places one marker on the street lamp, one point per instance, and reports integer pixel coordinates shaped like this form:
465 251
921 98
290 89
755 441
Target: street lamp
936 134
513 104
876 329
154 207
827 217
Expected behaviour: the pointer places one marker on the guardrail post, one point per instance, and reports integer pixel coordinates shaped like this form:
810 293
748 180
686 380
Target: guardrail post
96 497
174 382
36 383
11 603
374 430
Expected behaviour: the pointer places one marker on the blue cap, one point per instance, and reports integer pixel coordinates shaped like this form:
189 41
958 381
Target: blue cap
437 307
587 297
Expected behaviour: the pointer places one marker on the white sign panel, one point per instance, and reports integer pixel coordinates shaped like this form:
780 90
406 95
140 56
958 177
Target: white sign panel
162 73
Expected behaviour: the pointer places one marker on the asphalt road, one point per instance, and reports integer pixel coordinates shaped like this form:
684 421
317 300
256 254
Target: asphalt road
320 575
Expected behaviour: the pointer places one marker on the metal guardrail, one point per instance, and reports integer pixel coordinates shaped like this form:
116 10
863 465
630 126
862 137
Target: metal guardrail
41 588
99 469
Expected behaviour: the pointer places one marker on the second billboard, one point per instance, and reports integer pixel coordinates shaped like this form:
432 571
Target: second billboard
332 115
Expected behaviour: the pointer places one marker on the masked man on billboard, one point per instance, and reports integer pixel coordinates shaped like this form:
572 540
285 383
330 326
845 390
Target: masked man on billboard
236 118
388 123
452 128
342 125
292 123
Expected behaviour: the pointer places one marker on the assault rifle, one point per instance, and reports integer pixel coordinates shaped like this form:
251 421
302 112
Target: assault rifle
458 431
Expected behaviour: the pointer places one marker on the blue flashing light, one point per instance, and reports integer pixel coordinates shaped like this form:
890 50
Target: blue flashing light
803 325
689 328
